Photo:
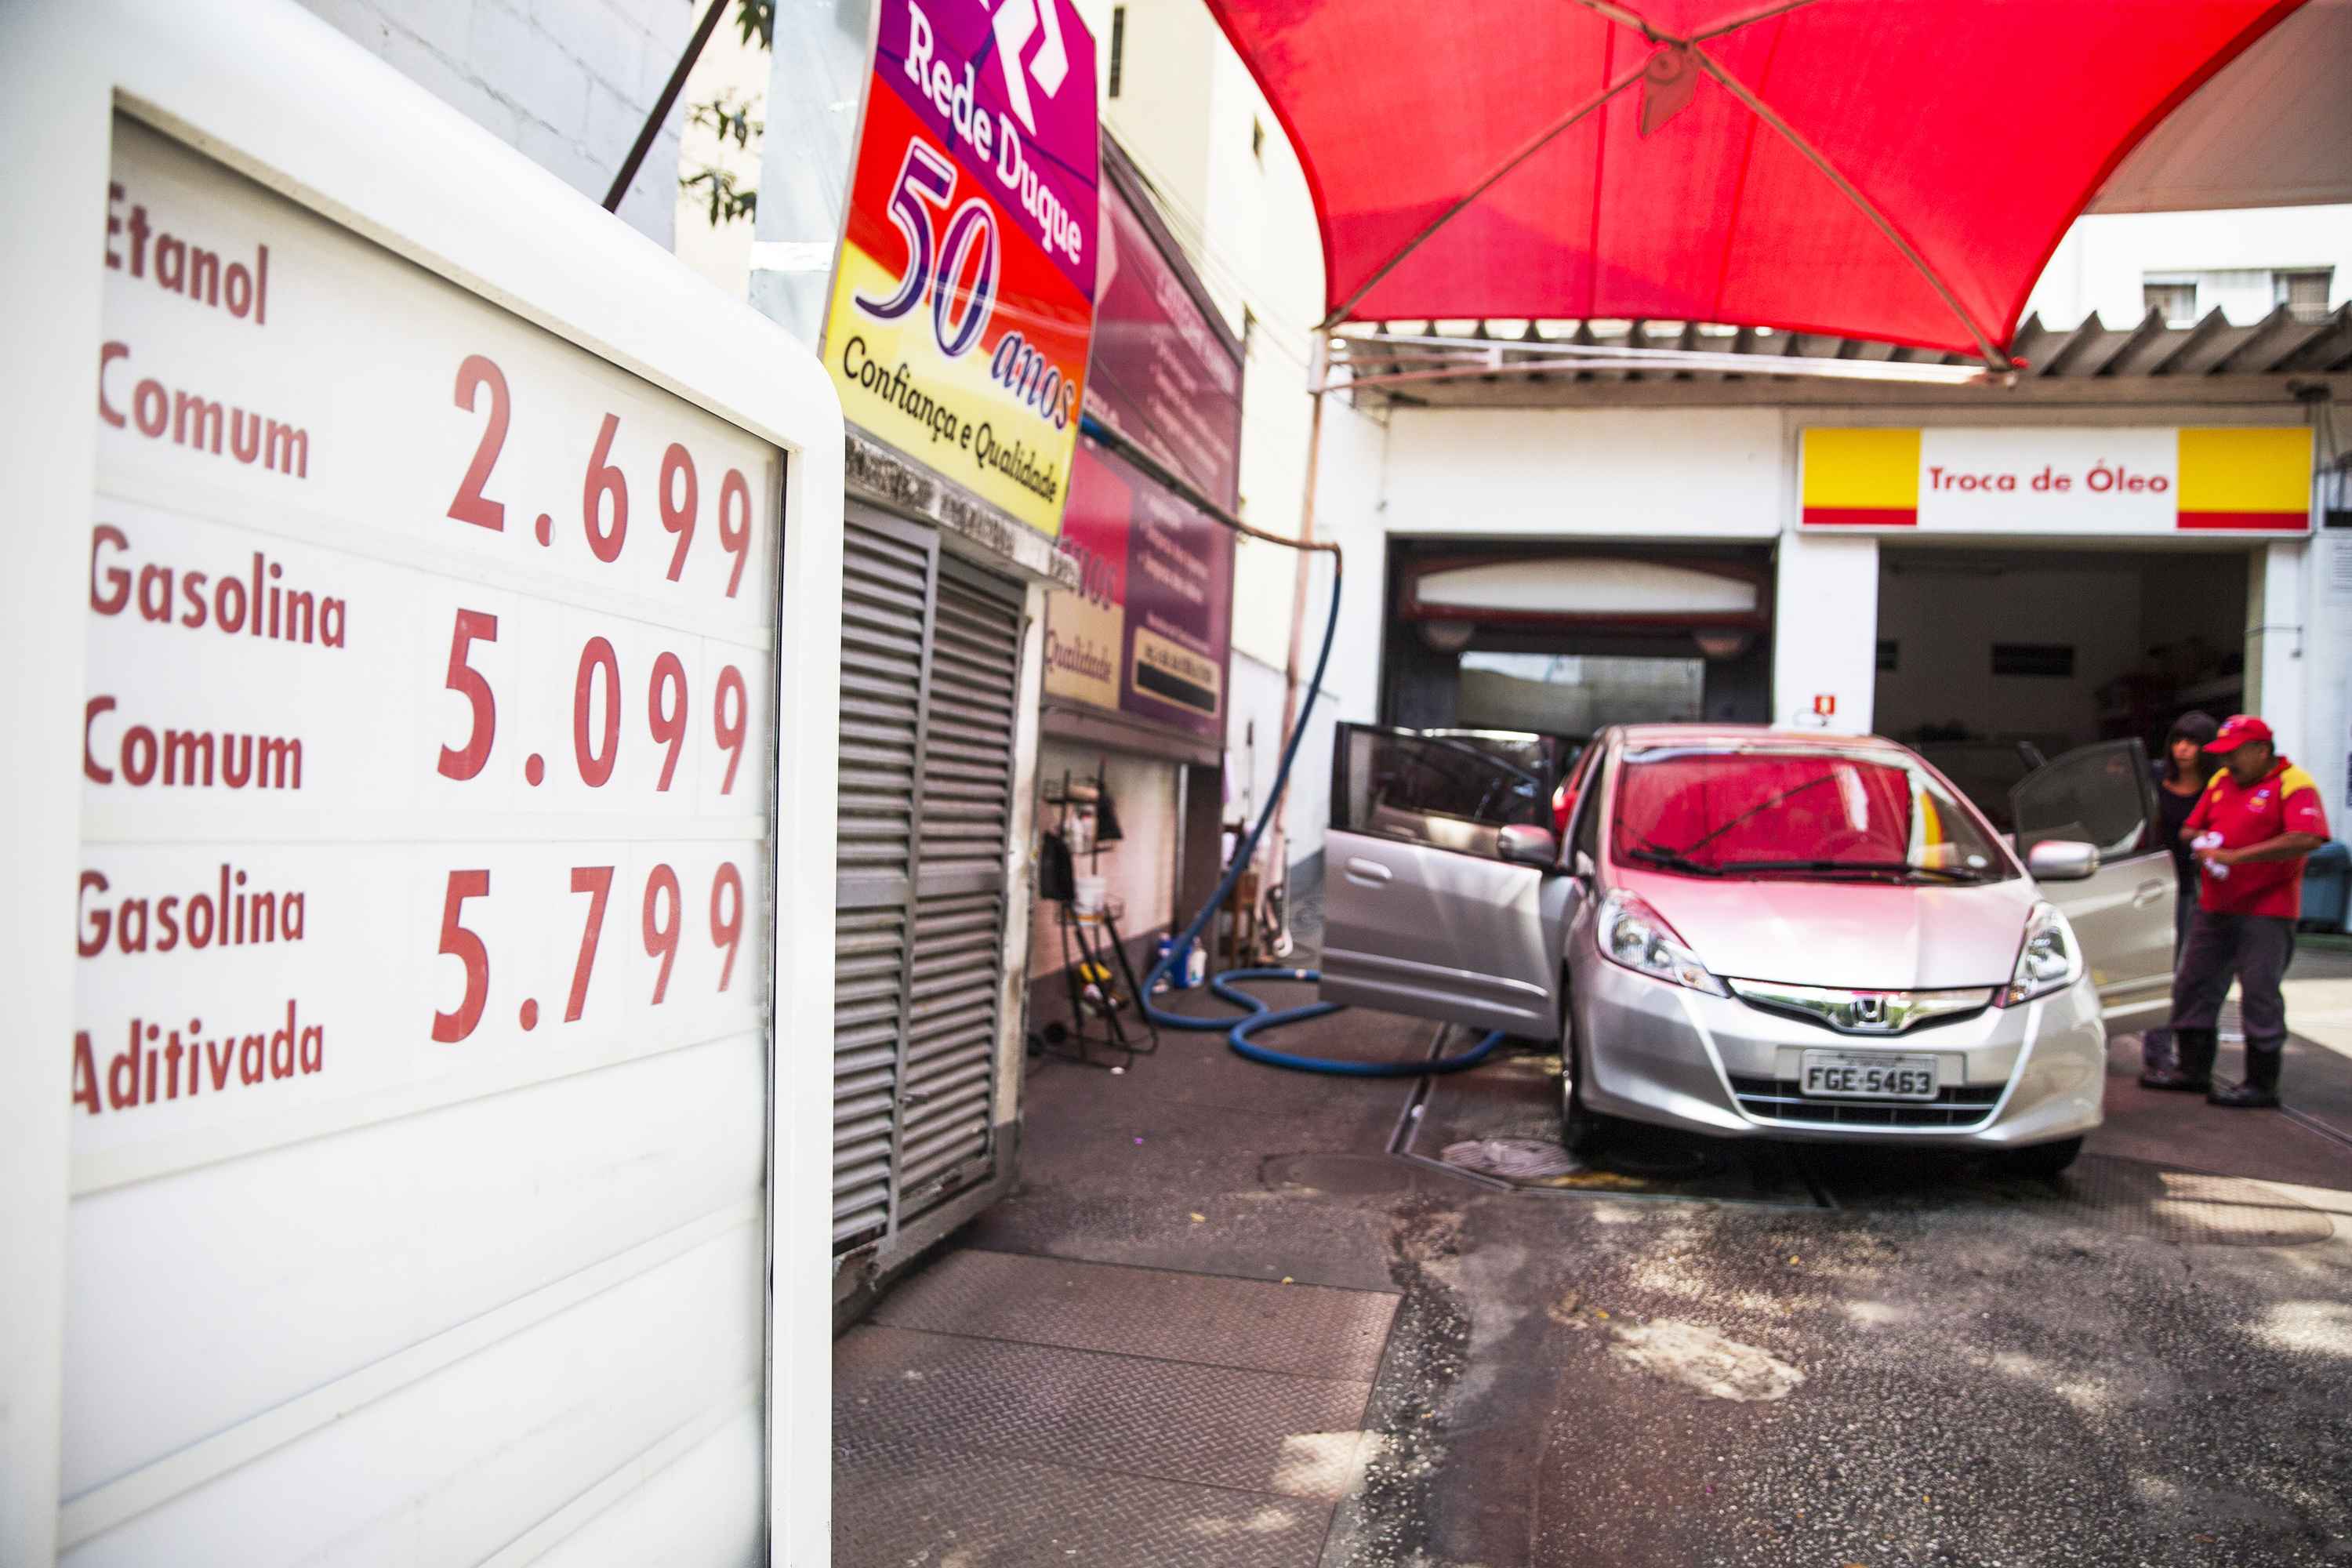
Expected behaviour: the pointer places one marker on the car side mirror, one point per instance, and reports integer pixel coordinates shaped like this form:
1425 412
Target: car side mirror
2062 861
1524 843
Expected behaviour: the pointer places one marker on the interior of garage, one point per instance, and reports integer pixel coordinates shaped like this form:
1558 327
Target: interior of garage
1565 640
2056 647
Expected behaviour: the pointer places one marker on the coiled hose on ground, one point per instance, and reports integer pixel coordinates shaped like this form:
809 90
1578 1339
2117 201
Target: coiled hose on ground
1258 1014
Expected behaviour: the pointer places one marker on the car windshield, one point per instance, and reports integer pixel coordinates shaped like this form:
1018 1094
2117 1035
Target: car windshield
1815 812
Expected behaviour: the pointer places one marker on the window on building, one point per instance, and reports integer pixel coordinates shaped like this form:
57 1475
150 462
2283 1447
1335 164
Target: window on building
1257 139
2304 294
2176 301
2033 659
1117 45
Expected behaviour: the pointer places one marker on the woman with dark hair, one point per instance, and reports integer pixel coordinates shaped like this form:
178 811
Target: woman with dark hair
2182 773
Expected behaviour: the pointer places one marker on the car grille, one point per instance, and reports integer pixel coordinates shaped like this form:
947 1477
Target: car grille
1778 1099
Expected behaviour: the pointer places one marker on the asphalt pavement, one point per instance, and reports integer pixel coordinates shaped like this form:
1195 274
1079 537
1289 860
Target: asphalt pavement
1156 1352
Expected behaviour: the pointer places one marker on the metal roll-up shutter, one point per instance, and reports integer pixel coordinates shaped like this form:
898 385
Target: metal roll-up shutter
885 588
958 939
930 671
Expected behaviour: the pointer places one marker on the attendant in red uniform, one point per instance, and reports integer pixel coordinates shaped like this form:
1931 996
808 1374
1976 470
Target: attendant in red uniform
2257 822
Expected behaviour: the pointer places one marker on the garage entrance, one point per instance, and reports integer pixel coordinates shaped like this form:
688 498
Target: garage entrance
1565 640
1991 659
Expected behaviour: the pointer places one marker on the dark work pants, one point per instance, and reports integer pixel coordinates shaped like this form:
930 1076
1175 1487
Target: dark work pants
2155 1044
2257 948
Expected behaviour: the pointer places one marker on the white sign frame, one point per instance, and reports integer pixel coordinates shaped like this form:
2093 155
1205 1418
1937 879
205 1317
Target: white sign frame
269 91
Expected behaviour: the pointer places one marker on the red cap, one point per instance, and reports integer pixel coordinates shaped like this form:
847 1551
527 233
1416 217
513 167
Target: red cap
2242 730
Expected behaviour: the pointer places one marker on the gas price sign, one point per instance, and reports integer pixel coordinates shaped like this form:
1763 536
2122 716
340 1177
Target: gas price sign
415 1138
963 299
427 686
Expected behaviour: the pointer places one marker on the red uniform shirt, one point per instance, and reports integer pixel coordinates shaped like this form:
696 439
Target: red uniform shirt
2285 800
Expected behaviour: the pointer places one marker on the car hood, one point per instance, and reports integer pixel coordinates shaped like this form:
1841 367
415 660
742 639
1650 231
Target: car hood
1853 936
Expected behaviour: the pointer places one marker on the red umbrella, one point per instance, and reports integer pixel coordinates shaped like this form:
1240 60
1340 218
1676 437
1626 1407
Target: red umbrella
1888 169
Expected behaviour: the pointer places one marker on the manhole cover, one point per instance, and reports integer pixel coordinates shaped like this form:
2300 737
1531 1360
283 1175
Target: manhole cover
1339 1172
2141 1199
1513 1159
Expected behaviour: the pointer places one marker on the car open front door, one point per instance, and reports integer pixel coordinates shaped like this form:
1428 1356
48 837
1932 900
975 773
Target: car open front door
2103 795
1420 914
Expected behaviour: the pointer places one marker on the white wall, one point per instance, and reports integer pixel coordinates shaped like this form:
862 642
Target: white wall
2328 674
1947 623
1825 634
2278 642
1651 474
567 82
1140 870
2104 259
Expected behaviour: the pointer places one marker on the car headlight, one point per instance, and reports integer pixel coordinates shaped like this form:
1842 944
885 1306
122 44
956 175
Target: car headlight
1633 933
2049 960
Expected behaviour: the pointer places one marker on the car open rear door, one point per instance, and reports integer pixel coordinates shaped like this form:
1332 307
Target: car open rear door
2105 794
1420 915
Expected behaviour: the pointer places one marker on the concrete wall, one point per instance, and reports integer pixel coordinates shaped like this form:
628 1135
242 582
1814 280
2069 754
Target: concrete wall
567 82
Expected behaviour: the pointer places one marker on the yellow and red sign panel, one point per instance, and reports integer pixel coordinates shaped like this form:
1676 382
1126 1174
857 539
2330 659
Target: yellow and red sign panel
963 301
2133 480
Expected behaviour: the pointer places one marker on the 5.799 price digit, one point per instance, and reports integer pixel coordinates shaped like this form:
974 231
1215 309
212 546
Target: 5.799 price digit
662 919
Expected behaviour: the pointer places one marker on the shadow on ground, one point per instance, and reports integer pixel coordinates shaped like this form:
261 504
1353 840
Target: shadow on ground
1157 1351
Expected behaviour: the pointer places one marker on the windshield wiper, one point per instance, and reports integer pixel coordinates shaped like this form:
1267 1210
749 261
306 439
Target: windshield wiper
1764 805
1676 861
1866 867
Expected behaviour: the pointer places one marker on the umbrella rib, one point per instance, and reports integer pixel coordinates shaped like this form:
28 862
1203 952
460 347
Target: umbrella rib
1718 29
1758 107
1623 17
1534 146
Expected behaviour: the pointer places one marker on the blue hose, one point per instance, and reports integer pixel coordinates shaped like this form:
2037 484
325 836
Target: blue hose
1259 1014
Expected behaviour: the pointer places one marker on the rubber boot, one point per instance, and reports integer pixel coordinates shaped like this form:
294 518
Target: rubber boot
2260 1091
2194 1049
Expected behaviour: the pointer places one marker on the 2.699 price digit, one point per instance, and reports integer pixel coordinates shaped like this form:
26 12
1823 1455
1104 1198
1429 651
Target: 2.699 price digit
605 488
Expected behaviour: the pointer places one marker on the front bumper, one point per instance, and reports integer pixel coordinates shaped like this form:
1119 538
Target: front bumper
1664 1054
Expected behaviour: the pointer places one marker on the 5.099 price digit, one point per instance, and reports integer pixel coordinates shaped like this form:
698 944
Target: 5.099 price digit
726 931
729 732
596 746
596 762
668 728
465 762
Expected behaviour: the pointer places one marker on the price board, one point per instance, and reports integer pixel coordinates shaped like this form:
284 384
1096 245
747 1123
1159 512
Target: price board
422 1100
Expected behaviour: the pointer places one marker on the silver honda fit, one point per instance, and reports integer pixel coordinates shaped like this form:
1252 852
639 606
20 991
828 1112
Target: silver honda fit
1751 932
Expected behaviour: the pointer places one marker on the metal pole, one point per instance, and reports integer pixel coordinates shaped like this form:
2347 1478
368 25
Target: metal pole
1278 855
637 157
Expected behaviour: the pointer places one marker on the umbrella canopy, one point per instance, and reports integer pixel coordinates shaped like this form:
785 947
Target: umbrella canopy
1890 169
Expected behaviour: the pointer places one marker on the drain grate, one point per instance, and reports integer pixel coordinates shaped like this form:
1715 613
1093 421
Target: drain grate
2142 1199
